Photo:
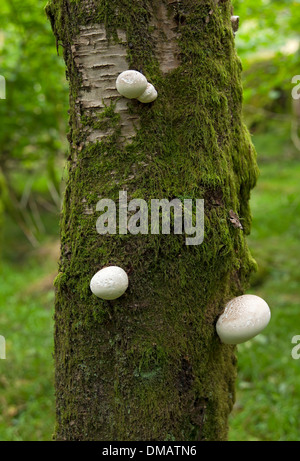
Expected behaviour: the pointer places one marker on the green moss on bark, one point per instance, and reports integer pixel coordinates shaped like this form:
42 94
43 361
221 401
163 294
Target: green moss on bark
149 366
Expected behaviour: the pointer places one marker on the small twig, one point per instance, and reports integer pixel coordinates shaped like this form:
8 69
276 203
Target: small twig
36 215
54 194
26 195
47 205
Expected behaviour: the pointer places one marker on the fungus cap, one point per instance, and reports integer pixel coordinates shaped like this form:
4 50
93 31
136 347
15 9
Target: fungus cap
149 95
131 84
109 283
243 318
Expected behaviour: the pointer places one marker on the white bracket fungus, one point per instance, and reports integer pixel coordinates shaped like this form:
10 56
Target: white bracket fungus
109 283
244 317
149 95
133 85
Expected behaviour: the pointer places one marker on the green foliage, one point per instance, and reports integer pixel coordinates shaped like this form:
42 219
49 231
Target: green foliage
33 116
266 25
268 44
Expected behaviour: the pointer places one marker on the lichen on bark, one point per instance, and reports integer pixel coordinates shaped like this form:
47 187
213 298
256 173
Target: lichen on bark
149 366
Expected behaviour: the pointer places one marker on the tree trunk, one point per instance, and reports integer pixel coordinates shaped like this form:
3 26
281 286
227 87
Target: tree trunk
149 365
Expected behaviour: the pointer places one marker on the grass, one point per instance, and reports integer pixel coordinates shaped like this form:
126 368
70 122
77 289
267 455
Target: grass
26 376
268 388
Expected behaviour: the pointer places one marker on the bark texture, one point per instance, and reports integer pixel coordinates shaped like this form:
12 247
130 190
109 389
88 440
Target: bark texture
150 366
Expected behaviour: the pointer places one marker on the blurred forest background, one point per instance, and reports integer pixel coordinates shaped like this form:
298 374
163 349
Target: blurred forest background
33 150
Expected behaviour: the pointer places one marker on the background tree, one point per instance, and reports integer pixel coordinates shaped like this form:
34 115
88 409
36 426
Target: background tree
149 366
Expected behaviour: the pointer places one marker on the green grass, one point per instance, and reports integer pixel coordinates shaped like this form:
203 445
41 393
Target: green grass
268 388
26 376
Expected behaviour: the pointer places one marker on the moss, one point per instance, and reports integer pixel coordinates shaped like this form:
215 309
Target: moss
149 365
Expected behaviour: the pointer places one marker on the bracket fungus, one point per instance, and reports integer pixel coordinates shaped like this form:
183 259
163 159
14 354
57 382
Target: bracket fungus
109 283
243 318
149 95
131 84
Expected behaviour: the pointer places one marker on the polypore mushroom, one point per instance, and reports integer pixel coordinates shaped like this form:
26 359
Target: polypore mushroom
109 283
244 317
131 84
149 95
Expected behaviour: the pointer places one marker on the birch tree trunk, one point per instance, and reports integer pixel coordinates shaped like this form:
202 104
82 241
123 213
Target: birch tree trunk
149 365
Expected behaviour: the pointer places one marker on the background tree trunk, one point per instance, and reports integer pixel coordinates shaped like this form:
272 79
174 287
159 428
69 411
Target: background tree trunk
150 366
